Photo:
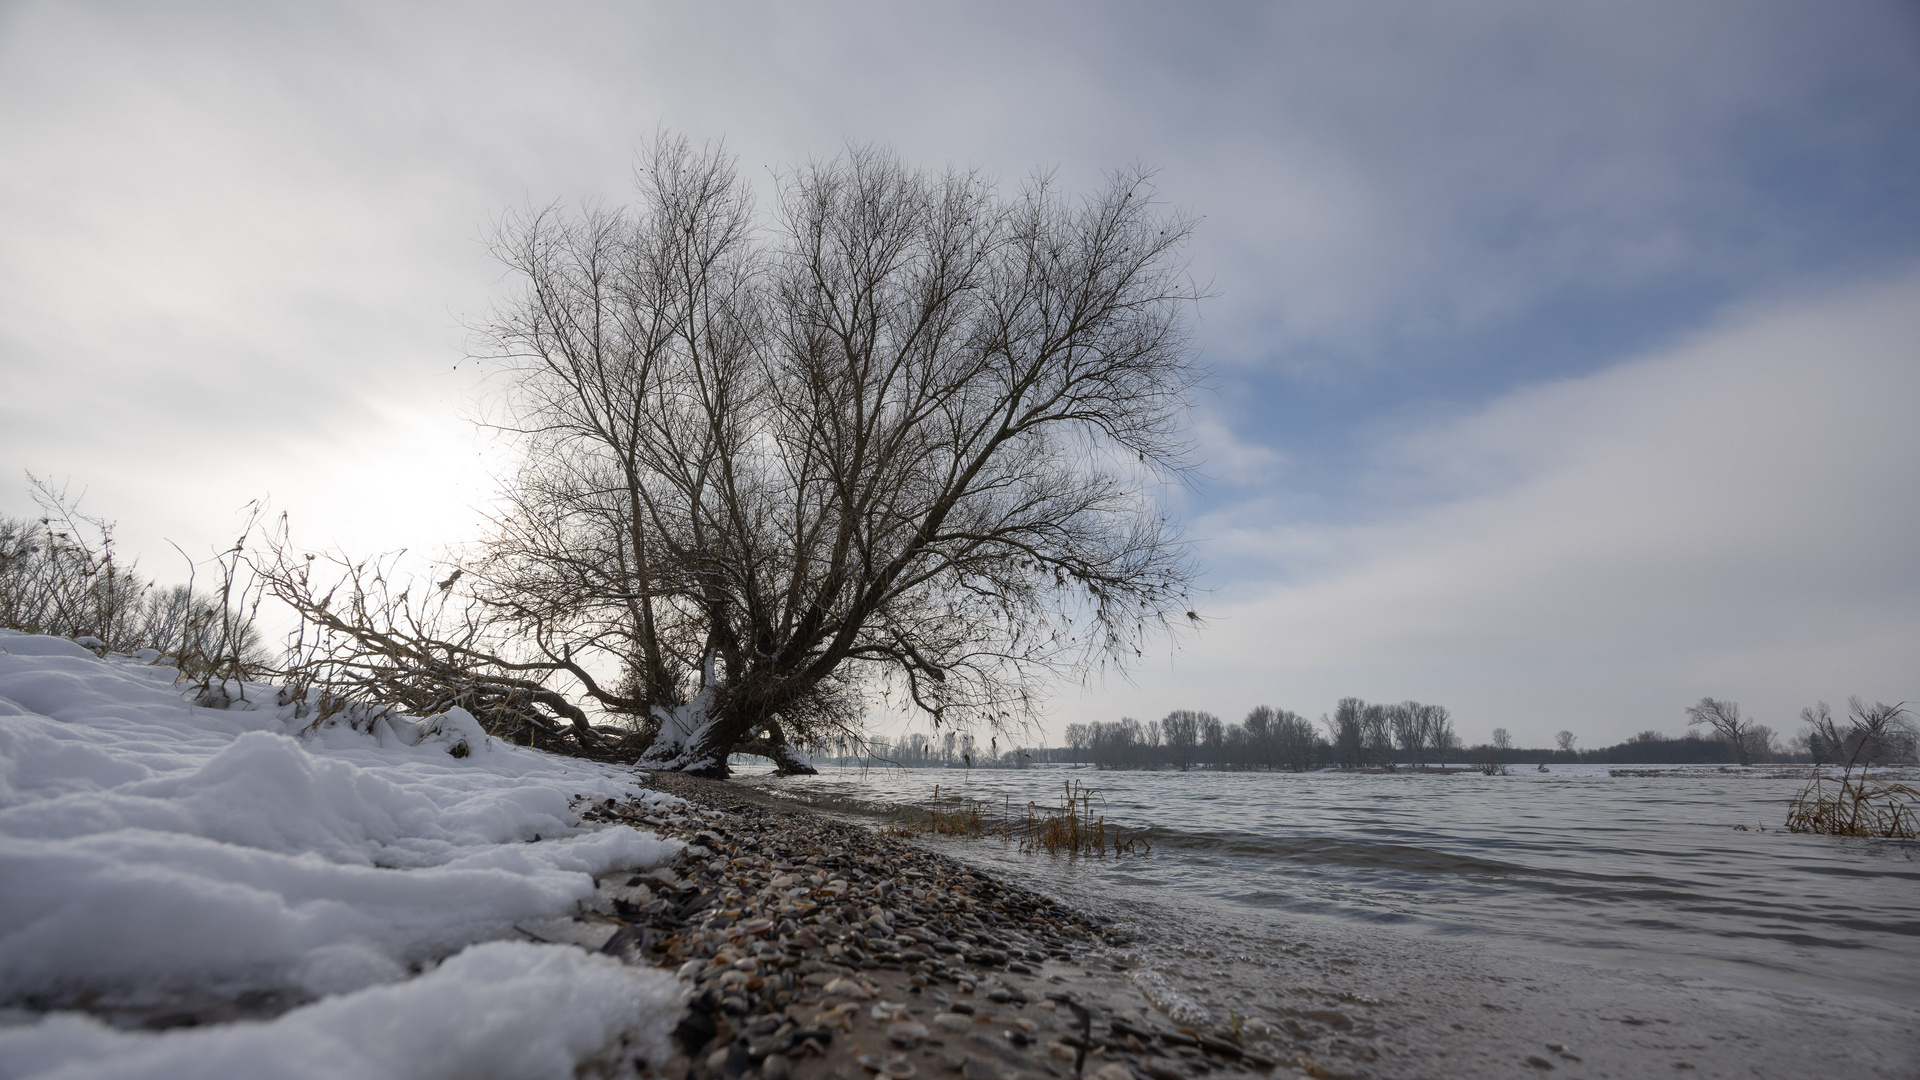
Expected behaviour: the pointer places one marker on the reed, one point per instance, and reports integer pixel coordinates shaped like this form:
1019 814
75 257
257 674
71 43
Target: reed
1072 828
1857 805
949 815
1855 802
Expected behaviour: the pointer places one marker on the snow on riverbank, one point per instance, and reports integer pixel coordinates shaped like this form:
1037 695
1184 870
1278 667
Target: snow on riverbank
158 858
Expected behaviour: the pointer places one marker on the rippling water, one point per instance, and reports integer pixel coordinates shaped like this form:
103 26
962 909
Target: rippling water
1644 884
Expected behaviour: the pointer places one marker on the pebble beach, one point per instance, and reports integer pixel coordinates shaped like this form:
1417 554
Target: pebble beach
813 948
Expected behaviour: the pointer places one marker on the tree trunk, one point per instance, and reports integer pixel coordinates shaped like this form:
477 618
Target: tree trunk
698 737
694 738
771 746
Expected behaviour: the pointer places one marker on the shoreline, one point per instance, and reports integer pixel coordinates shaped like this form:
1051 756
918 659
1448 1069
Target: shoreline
1368 979
820 949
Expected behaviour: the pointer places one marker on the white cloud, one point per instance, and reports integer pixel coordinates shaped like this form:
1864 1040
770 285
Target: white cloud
1736 516
1225 458
240 242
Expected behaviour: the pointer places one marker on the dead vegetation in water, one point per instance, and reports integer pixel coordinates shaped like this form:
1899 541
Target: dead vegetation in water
1854 801
950 815
1074 827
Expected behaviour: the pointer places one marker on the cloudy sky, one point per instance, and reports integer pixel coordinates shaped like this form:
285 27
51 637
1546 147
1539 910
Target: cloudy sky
1565 359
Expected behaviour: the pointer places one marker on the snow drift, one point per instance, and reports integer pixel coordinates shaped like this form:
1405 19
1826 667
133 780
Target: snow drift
156 857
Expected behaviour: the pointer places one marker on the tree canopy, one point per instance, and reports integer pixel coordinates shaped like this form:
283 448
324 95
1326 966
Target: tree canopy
897 436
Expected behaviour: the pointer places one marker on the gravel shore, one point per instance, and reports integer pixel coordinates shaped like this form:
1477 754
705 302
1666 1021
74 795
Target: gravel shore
820 949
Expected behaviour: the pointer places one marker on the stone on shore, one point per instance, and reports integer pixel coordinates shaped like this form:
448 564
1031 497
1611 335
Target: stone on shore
818 949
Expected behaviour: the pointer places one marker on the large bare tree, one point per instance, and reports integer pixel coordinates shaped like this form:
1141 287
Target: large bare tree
896 437
1723 717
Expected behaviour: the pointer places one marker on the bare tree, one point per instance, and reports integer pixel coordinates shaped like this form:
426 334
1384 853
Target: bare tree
1814 738
1404 722
1724 718
1376 732
1419 729
1299 746
1079 739
1565 740
1182 729
1345 732
1262 736
1125 742
1235 748
1879 734
1213 738
1438 724
895 439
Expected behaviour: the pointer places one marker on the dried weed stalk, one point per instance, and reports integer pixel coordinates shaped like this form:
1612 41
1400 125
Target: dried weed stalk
62 574
366 647
1856 802
1072 828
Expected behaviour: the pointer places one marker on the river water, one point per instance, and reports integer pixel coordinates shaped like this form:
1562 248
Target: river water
1465 925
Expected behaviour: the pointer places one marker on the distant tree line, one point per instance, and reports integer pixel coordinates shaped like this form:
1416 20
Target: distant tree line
1646 748
1365 735
916 750
1357 734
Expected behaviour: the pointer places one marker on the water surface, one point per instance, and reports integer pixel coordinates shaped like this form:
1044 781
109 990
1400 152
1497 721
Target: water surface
1599 894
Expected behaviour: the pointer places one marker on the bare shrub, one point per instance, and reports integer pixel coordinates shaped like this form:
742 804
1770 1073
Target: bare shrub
1491 757
214 637
62 574
362 649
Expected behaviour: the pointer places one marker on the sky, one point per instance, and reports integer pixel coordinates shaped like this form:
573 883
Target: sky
1563 360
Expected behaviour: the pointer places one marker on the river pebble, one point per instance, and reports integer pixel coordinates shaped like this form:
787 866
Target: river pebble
819 949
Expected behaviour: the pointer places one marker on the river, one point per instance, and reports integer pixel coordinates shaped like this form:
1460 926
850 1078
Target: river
1415 924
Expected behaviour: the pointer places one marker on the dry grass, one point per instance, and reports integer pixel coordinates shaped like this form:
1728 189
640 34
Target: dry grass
62 574
1071 828
950 815
1855 802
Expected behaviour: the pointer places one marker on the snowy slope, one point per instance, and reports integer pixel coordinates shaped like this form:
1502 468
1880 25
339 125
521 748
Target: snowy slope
159 857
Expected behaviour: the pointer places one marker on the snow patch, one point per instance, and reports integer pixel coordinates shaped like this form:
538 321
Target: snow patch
511 1010
154 853
683 730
